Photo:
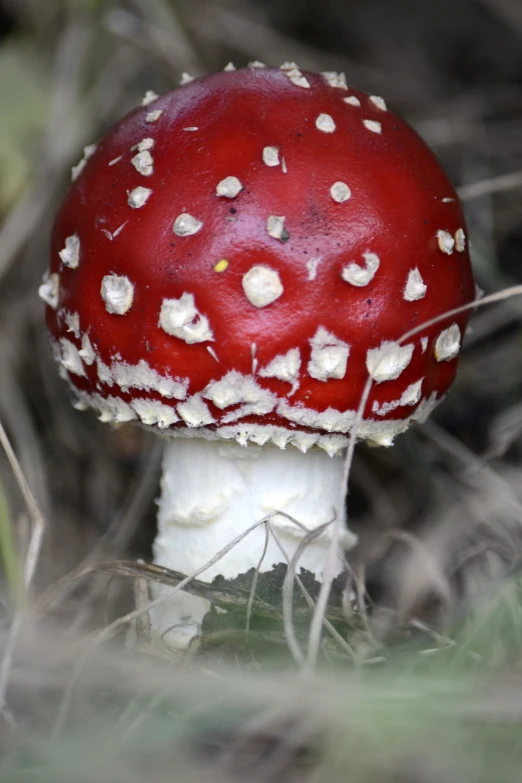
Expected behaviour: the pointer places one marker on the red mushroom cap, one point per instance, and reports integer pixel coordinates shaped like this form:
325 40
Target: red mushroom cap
236 255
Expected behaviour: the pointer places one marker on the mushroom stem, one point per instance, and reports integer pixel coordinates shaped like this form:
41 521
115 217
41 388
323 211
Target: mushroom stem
212 491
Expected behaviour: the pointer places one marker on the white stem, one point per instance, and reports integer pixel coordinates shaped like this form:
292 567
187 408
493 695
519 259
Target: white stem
211 491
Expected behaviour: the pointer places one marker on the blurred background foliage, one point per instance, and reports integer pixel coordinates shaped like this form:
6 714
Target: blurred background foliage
440 515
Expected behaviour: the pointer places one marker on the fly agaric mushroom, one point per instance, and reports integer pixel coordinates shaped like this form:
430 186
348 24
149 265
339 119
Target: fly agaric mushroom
230 263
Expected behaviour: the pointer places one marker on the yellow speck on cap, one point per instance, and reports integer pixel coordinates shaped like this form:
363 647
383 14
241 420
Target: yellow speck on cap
221 265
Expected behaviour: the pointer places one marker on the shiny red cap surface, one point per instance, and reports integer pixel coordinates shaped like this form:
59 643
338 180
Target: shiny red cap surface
238 250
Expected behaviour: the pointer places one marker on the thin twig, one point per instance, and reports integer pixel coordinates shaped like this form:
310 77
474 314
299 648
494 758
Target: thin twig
57 145
142 597
429 564
314 637
121 528
37 519
108 632
31 559
288 593
253 586
167 36
486 187
498 296
473 463
226 598
322 600
309 600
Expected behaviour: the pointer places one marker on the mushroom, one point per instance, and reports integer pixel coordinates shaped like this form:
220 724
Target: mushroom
230 263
